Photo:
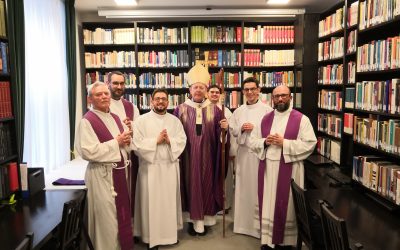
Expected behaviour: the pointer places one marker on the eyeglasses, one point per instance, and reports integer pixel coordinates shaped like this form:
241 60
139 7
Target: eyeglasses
249 89
283 96
160 99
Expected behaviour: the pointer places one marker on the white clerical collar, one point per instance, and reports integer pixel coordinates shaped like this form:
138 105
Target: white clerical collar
254 105
157 114
99 112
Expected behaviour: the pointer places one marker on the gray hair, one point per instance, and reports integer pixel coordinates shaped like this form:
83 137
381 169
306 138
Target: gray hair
94 85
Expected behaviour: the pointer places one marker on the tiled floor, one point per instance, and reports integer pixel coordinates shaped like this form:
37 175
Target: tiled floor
213 240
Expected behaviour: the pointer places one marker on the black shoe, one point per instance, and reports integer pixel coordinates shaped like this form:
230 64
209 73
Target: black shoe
280 247
266 247
191 230
136 239
152 248
205 232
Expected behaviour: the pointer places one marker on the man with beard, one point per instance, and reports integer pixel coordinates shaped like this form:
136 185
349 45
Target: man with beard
287 138
200 162
159 139
245 122
214 95
104 141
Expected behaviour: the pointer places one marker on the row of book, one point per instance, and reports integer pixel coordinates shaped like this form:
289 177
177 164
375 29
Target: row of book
3 30
380 134
233 99
330 124
352 14
230 79
272 79
219 58
352 42
5 141
114 59
348 120
163 80
331 100
329 148
269 34
5 100
351 72
331 23
330 49
216 34
162 35
130 79
163 59
109 36
349 97
379 175
379 55
4 67
382 96
9 181
374 12
330 74
268 58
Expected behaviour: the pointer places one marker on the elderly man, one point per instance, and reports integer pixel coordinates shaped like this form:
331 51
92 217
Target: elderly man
104 141
200 162
287 138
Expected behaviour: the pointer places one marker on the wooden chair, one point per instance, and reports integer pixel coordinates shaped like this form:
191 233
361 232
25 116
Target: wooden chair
26 243
309 229
334 228
68 235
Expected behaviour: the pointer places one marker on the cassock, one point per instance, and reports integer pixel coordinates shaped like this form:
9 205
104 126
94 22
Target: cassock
294 151
246 166
102 212
158 201
201 186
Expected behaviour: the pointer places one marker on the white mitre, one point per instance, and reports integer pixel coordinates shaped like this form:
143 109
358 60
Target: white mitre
198 73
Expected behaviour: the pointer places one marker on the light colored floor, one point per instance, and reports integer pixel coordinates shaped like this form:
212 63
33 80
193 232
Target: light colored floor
213 240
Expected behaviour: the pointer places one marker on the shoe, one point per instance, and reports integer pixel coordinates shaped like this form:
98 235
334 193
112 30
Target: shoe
280 247
205 232
266 247
136 239
152 248
191 230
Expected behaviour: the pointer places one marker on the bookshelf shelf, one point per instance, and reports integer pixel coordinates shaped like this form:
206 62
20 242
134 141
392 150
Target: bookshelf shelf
7 119
162 44
321 110
381 72
376 113
352 54
330 86
8 159
377 150
353 27
215 44
110 69
333 60
394 22
324 134
272 68
115 45
333 34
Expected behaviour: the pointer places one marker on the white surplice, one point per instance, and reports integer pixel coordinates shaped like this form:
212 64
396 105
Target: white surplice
294 151
158 201
246 166
102 215
117 107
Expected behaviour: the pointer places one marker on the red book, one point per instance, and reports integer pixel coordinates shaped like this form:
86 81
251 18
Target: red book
13 176
238 34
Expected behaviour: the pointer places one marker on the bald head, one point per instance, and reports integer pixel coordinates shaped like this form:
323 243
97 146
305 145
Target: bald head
281 97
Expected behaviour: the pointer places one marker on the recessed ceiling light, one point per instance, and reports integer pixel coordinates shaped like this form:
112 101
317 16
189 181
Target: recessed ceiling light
277 1
125 2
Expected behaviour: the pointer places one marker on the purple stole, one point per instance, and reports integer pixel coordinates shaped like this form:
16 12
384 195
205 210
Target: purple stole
122 200
133 171
284 175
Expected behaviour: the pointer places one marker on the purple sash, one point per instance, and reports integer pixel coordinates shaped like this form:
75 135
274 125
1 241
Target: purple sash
133 171
122 201
284 175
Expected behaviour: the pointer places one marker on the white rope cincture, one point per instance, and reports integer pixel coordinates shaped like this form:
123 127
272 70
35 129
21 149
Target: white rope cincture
113 193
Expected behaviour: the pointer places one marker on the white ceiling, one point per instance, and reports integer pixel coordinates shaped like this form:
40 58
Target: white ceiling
314 6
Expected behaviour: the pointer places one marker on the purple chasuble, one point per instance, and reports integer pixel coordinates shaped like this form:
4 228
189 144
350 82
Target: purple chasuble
284 175
122 200
201 187
133 171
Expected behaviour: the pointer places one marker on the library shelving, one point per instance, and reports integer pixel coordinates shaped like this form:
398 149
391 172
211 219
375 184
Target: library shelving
159 54
9 170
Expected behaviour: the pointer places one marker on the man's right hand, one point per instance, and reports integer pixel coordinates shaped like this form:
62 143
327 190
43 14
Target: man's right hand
247 127
124 138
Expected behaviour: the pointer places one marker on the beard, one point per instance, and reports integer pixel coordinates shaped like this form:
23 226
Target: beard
116 95
160 109
282 107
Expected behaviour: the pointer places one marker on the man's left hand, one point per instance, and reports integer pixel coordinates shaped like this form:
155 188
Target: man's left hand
224 124
276 139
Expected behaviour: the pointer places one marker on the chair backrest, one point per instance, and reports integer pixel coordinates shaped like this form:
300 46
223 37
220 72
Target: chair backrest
26 243
303 213
334 228
70 227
